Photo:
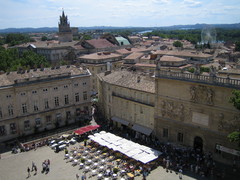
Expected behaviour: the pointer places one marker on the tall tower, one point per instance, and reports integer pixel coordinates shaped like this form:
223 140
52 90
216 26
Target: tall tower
65 32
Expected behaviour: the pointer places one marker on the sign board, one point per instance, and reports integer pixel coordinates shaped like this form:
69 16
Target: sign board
228 150
200 118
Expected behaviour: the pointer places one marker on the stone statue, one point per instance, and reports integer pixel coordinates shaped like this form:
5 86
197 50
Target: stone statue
193 93
210 96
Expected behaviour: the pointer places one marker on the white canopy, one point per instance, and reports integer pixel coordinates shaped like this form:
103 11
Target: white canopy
129 148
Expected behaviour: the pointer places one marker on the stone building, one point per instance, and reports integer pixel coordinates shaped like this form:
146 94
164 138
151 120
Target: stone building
40 99
64 30
98 63
54 51
128 100
194 110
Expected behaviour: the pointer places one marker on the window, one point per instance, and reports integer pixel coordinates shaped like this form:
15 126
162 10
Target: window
23 94
56 100
68 115
56 88
180 137
48 120
165 132
77 97
35 106
84 83
13 128
66 99
0 112
10 110
45 90
2 130
38 122
8 96
58 117
46 105
65 86
26 125
24 108
75 85
34 92
85 95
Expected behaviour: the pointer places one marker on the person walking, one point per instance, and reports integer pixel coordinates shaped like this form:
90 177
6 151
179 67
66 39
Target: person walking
180 173
33 166
28 171
77 176
35 170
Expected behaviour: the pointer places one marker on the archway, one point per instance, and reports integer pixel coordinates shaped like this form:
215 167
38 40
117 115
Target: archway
198 144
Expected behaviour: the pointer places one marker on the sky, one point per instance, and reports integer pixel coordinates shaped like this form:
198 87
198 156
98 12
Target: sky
137 13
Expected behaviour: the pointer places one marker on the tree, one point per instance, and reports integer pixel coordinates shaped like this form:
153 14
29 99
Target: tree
44 38
235 99
178 44
237 46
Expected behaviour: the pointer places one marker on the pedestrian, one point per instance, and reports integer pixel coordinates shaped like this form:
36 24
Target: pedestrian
28 171
180 173
77 176
84 177
33 166
35 170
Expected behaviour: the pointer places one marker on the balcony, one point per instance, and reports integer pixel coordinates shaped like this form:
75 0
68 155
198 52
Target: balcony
212 80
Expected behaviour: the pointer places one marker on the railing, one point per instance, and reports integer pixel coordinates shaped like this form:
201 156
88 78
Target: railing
214 80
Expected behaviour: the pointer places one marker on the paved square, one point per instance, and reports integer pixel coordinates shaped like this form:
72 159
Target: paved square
14 167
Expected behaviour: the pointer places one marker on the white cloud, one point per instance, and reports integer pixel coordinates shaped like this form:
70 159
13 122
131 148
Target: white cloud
15 13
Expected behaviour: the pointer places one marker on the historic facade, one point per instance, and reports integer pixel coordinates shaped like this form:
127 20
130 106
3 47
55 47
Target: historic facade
65 32
40 99
128 100
194 110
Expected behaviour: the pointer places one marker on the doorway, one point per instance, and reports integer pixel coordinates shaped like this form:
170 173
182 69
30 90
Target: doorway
198 144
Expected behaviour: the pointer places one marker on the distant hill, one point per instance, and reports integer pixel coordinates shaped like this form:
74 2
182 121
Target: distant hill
29 30
175 27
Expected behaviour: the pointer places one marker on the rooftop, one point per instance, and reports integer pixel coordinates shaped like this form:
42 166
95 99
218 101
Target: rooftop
130 80
52 44
131 50
14 77
100 43
193 54
171 59
134 55
100 55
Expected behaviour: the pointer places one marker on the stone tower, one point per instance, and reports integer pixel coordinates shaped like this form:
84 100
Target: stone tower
65 32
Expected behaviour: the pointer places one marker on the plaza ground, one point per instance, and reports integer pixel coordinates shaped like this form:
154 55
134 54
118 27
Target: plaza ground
14 167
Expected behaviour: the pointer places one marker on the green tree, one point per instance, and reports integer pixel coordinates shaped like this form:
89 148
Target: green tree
237 46
178 44
235 99
44 38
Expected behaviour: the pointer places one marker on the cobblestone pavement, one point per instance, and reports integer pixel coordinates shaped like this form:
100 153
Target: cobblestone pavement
14 167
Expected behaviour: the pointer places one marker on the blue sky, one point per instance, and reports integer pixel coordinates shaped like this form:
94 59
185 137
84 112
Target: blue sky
45 13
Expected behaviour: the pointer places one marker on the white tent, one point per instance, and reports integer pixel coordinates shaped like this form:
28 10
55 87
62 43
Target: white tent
129 148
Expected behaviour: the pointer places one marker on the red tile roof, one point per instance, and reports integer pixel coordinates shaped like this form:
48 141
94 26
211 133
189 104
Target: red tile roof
100 43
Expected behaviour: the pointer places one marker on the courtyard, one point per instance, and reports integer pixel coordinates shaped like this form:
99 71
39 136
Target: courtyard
14 166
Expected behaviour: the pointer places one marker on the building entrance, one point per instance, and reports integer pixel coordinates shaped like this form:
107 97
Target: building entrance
198 144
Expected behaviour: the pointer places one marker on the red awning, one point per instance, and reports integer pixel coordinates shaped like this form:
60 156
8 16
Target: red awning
86 129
